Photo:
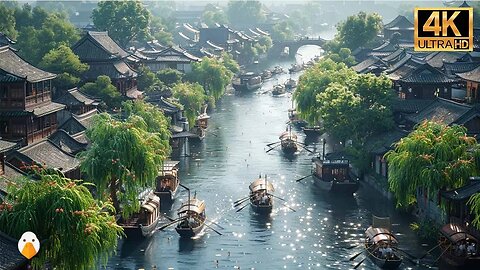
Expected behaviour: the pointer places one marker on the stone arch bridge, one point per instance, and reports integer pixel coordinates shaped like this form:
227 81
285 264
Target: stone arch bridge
293 46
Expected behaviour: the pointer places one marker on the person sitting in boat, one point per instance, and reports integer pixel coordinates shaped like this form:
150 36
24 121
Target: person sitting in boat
471 249
388 251
461 248
191 221
383 251
264 198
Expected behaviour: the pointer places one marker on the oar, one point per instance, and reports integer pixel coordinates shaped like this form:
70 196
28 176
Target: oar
409 256
276 197
169 218
441 254
351 247
241 199
306 149
358 264
356 255
204 223
300 179
428 252
171 223
218 225
290 208
272 143
240 203
272 148
240 209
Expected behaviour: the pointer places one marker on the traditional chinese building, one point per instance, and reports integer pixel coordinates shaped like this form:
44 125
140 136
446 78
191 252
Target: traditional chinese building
471 81
75 102
4 147
106 57
27 113
171 57
400 25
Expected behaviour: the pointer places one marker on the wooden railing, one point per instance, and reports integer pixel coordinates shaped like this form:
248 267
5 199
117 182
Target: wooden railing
38 98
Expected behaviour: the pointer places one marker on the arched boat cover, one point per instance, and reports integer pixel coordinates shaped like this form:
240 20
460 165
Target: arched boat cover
456 232
377 235
194 205
286 135
259 184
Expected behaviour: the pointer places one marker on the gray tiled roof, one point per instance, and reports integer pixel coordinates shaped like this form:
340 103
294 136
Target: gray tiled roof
442 110
47 153
404 67
66 142
452 69
175 54
115 70
78 123
473 75
436 59
75 97
5 146
10 258
426 74
367 63
47 109
12 64
410 105
104 40
400 22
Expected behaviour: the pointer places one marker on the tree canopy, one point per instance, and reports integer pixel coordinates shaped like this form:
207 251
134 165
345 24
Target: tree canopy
123 20
7 22
170 76
433 157
64 62
64 214
230 63
245 12
282 31
123 159
192 97
359 30
213 15
314 81
103 88
212 75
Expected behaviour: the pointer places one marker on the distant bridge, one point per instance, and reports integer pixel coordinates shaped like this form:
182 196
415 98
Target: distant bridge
293 46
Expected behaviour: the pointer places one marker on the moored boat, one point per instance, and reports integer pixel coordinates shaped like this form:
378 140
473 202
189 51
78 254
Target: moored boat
278 90
277 70
295 68
261 199
168 182
334 175
266 74
295 119
381 246
192 215
144 223
247 82
312 131
290 84
459 247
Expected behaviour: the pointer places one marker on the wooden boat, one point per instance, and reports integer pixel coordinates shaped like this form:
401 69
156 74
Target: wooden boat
168 181
294 119
295 68
334 175
144 223
247 82
261 199
288 141
266 74
277 70
378 238
312 131
452 237
193 214
278 90
290 84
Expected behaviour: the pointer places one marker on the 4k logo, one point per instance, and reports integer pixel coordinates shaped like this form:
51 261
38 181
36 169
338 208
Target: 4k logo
443 29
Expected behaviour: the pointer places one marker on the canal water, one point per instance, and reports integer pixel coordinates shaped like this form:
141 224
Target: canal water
316 236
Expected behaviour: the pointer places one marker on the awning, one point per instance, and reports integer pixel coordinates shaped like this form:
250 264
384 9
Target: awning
150 208
463 193
259 184
380 235
456 232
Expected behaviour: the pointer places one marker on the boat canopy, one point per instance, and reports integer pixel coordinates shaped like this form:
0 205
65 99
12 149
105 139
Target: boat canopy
152 203
455 233
286 135
194 205
377 235
168 167
259 184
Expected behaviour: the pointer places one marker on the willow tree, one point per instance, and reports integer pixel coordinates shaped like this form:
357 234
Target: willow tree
474 203
313 82
157 123
212 75
191 96
433 157
123 159
77 231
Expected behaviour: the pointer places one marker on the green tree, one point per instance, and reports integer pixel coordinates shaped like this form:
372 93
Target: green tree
192 97
432 157
213 14
148 81
474 203
64 62
282 31
103 88
7 22
230 63
123 20
123 159
33 44
64 214
245 12
359 30
212 75
314 81
170 76
342 55
346 106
